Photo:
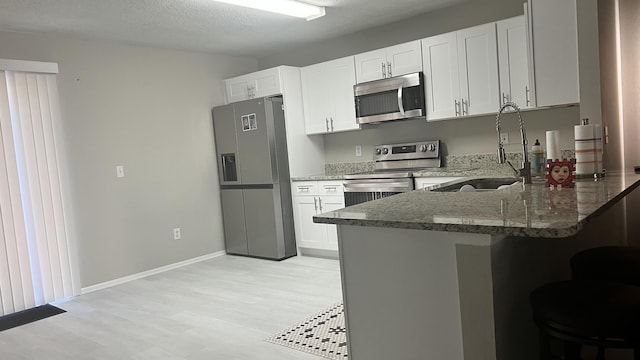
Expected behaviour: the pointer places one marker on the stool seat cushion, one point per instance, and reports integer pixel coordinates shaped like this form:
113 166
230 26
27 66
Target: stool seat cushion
612 263
591 309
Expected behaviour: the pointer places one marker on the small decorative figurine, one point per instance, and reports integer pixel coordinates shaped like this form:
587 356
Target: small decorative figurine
560 173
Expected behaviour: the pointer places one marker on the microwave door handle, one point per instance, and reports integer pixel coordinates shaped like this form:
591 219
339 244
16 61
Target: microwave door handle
400 100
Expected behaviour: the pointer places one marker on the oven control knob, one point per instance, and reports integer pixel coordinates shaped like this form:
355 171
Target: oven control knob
423 148
432 147
385 151
378 151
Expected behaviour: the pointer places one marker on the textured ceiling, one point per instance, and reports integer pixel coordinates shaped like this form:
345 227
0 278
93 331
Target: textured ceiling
203 25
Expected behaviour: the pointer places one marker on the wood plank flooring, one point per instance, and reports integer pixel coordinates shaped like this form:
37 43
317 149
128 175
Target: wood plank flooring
222 308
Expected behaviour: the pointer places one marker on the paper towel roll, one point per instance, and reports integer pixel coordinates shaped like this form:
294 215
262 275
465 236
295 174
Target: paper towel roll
588 156
553 145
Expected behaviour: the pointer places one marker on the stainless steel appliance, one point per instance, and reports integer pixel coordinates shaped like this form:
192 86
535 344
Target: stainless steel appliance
393 171
400 97
254 178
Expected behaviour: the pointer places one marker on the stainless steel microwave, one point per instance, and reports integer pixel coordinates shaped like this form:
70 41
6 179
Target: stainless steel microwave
400 97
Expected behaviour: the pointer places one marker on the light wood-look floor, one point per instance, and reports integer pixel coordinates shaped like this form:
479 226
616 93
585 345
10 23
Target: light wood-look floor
217 309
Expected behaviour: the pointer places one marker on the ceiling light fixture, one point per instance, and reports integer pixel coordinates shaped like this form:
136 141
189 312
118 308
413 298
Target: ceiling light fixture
285 7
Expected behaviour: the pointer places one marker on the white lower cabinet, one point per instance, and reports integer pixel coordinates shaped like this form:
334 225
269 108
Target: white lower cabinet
311 198
426 182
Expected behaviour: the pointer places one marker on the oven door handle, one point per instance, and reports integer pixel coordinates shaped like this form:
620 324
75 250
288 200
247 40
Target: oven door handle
400 106
390 186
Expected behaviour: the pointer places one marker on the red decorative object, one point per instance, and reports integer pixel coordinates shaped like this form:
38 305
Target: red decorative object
560 173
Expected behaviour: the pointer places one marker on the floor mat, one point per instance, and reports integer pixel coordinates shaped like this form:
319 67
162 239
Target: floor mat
28 316
323 334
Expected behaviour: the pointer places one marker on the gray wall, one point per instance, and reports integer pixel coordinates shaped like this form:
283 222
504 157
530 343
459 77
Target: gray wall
149 110
461 136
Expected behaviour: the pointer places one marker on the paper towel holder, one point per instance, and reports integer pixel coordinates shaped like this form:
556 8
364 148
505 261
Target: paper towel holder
596 174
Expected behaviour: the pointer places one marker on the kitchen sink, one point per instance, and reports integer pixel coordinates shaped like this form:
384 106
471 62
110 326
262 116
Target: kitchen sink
481 184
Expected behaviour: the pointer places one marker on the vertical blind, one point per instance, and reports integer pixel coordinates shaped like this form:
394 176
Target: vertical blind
35 266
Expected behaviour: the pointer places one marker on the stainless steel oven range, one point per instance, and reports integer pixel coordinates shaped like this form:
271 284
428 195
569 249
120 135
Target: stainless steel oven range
393 174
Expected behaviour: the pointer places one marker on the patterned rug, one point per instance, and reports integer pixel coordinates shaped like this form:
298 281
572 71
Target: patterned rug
323 334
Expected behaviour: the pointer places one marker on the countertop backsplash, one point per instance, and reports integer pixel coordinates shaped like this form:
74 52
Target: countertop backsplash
479 163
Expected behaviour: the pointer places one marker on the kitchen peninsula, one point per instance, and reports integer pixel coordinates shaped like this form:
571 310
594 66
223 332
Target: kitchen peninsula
446 275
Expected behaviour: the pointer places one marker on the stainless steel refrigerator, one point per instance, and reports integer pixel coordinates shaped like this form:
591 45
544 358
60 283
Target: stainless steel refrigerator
254 178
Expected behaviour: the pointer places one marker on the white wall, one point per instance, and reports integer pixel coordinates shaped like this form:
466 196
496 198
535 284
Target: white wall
150 111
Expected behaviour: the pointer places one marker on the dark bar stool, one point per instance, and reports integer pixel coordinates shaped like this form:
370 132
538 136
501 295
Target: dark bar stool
587 312
612 263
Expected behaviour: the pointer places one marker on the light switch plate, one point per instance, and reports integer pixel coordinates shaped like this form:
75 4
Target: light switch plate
119 171
504 138
358 150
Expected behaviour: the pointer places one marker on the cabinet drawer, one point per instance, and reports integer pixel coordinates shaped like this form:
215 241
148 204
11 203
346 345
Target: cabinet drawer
330 188
305 187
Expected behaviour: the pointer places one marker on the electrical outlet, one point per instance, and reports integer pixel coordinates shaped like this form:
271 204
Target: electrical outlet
504 138
358 150
176 234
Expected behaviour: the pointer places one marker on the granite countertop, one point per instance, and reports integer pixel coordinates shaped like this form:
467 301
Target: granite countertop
517 210
318 177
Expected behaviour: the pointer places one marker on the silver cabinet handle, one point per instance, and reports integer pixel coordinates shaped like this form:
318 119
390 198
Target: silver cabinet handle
527 92
389 67
465 107
326 121
505 98
384 71
331 118
457 107
400 100
320 202
315 203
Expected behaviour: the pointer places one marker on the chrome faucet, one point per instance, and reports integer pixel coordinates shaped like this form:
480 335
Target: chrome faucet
525 171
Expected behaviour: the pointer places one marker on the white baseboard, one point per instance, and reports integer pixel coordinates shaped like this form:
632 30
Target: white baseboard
144 274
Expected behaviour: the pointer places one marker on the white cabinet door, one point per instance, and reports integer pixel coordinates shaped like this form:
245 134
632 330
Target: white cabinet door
331 203
327 91
384 63
310 234
513 63
555 47
371 65
440 63
342 75
237 88
478 69
266 83
404 59
316 96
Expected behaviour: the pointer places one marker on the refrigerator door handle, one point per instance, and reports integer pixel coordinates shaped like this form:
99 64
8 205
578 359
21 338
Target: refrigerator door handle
315 203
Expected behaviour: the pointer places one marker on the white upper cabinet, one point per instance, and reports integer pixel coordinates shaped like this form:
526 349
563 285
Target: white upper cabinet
255 85
442 84
514 64
555 51
461 72
392 61
327 90
478 68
